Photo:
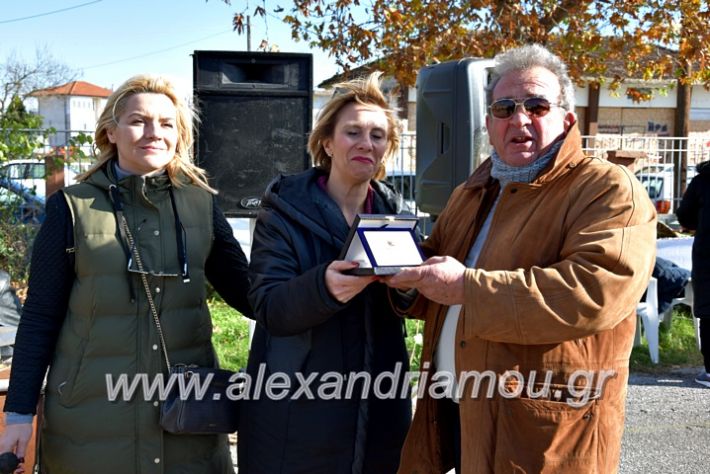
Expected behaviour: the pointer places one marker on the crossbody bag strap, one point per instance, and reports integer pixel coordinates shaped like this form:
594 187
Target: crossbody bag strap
128 236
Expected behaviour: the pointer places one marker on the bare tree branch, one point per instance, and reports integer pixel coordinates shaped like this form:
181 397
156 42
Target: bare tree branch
19 77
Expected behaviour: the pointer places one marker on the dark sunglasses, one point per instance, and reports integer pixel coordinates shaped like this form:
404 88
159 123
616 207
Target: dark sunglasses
533 106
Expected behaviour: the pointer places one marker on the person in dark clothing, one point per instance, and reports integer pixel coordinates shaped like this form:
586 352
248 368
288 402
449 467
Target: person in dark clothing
671 282
694 214
319 328
87 315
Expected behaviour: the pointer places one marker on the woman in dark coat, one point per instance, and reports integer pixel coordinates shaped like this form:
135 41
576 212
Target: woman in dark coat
694 214
319 329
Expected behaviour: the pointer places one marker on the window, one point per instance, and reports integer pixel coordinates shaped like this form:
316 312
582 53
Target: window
35 171
653 185
14 171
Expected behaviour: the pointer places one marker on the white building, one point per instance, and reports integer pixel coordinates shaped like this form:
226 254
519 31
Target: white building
75 106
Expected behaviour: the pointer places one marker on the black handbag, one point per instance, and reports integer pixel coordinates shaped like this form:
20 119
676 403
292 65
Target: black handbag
212 413
182 412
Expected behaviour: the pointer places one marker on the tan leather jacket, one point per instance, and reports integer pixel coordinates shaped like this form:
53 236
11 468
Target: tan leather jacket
554 291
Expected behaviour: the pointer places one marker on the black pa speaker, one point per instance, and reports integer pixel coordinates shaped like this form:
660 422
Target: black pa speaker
451 128
255 111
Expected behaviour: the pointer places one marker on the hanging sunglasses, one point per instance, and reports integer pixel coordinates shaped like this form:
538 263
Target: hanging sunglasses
533 107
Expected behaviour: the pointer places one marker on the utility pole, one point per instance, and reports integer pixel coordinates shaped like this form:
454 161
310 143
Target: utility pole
249 33
682 119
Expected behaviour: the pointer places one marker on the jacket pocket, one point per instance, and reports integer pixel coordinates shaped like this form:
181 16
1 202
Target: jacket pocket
538 435
67 383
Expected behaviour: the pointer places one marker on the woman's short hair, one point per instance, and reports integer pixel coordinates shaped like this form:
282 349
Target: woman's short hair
530 56
365 91
182 163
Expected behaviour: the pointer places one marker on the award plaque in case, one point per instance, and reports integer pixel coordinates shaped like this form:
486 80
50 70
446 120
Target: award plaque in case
382 244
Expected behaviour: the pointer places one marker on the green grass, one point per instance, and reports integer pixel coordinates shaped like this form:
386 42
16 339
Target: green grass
677 345
414 347
230 335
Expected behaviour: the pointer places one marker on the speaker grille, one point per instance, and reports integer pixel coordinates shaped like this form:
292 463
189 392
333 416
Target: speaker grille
256 116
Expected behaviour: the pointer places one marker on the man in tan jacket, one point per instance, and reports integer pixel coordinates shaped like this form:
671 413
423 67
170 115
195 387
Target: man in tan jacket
536 266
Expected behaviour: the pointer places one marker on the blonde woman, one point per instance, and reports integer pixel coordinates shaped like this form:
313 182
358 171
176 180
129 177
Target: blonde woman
318 324
87 317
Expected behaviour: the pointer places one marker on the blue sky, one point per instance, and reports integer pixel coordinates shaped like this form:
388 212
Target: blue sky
111 40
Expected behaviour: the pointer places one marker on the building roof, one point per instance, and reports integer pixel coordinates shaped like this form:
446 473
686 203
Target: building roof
617 67
358 71
77 88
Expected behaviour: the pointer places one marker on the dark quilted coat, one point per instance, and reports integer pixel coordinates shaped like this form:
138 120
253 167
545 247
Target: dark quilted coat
303 329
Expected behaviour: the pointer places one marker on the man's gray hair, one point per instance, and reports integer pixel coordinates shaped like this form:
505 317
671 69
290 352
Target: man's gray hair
527 57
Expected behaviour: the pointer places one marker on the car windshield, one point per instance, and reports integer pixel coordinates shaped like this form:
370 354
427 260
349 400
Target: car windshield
650 169
653 185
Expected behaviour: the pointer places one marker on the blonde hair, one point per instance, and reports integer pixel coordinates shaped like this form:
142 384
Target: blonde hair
182 164
365 91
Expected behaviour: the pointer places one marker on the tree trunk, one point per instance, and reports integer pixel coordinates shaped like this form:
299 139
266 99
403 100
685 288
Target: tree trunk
403 101
591 118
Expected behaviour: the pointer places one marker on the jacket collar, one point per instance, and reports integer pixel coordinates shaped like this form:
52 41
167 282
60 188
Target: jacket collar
299 197
567 158
139 185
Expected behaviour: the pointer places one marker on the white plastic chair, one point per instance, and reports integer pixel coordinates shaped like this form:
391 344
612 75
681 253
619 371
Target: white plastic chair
686 299
647 312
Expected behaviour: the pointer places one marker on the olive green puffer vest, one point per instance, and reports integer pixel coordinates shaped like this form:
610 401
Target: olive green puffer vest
109 331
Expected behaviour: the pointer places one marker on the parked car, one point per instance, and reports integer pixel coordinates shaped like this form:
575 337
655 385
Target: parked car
20 204
656 168
28 173
658 179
